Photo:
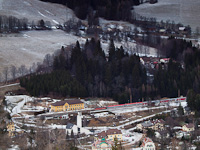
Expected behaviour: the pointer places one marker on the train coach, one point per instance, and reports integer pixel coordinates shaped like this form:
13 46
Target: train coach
146 103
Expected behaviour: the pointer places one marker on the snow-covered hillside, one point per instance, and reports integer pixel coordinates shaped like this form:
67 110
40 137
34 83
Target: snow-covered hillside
183 11
35 10
31 46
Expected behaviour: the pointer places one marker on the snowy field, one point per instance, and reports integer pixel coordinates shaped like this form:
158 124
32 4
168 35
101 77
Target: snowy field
35 10
31 46
183 11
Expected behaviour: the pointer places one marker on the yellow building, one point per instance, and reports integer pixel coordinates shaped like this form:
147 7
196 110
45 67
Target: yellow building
110 135
11 129
114 133
66 105
188 127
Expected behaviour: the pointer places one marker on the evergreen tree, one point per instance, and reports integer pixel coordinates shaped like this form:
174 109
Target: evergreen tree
191 99
111 51
180 110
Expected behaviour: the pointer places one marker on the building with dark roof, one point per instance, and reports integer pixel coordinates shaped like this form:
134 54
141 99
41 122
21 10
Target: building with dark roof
69 126
110 134
67 105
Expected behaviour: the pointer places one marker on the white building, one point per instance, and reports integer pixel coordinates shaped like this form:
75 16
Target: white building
77 129
148 144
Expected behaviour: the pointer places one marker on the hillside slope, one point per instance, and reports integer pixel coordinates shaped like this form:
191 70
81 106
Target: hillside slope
180 11
35 10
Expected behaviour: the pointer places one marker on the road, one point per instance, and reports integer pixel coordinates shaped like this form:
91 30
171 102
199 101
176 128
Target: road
9 85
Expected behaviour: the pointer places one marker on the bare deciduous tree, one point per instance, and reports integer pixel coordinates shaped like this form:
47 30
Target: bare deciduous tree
5 73
22 70
13 72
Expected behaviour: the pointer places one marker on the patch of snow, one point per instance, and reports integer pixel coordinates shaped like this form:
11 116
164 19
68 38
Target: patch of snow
56 22
42 14
49 12
18 102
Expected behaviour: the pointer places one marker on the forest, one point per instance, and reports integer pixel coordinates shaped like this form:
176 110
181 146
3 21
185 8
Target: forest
86 71
91 73
108 9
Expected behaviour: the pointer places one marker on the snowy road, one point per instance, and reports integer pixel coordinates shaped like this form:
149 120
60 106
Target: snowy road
9 85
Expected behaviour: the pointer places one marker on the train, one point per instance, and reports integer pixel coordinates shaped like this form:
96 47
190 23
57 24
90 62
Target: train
146 103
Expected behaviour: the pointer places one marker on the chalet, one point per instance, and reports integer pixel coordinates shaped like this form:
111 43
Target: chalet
67 105
144 125
158 124
188 127
148 144
102 144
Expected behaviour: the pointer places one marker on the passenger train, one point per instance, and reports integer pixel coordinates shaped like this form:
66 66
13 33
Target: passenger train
146 103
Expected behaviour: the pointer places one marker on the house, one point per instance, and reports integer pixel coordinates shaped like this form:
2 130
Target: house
102 144
110 134
11 128
67 105
114 133
158 124
164 60
148 144
144 125
188 127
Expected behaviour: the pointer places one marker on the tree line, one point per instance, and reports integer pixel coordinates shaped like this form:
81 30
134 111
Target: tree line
108 9
12 24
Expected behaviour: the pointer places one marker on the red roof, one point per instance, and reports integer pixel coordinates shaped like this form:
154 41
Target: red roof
146 140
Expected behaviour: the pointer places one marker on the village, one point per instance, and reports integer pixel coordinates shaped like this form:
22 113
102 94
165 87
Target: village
99 124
